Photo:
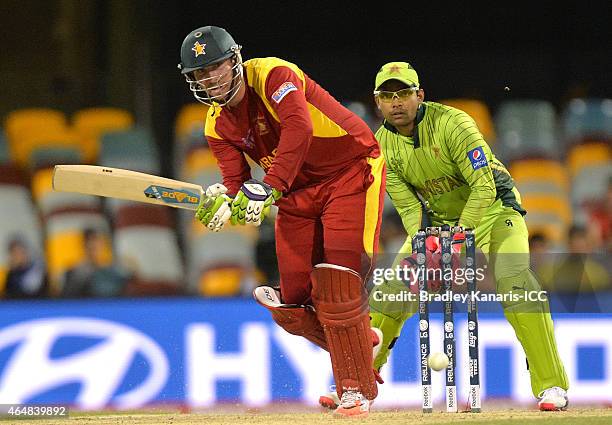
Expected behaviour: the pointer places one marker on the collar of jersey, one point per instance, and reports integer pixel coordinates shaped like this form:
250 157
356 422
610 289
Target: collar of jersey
417 120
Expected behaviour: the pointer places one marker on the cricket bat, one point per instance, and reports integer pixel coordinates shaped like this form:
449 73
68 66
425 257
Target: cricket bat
126 184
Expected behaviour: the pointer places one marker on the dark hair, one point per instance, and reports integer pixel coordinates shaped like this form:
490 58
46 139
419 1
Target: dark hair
90 234
576 230
537 237
17 241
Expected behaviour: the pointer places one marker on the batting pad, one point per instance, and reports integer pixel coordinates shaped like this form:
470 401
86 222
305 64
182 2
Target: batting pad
341 303
296 319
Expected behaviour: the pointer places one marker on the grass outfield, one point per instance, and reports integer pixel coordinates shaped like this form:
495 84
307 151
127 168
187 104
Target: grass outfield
598 416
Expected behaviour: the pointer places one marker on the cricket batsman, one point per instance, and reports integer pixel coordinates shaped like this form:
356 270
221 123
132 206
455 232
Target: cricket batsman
325 172
437 157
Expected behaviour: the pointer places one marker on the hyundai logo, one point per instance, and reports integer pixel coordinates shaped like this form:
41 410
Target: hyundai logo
100 369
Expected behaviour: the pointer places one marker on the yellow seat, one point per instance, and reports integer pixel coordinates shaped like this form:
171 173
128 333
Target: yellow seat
199 160
191 116
545 204
91 123
553 232
33 120
65 250
49 201
479 112
3 274
530 170
41 184
30 140
221 282
587 155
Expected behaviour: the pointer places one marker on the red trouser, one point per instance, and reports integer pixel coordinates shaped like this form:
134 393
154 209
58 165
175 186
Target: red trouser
337 222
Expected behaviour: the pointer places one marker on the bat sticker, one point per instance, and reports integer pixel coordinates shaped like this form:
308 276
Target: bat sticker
172 196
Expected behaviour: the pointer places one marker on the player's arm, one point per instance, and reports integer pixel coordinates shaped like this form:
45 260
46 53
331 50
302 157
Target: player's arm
285 92
232 163
473 158
407 204
215 208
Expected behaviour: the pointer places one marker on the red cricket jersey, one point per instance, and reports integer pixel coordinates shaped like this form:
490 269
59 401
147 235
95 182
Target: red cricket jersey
289 125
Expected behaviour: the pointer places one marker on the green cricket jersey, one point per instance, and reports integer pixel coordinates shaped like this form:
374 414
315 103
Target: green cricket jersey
448 164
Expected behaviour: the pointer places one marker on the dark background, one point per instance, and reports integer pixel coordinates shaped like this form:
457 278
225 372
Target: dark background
70 54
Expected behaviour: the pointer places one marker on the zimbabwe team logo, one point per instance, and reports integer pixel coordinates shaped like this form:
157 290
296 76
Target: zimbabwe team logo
198 48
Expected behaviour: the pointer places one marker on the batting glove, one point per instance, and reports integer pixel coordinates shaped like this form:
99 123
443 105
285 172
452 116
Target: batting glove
253 202
214 209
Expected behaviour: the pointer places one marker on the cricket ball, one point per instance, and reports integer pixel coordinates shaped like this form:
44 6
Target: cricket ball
437 361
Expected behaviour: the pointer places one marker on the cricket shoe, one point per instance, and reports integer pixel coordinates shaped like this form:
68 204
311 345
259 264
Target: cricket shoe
330 400
353 405
552 399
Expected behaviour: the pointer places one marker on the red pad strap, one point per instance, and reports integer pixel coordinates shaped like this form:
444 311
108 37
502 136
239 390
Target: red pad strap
341 303
296 319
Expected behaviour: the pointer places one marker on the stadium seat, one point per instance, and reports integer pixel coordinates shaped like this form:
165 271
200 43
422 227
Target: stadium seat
553 230
5 157
221 282
18 215
146 245
32 121
587 155
480 113
134 149
586 118
550 205
526 128
199 167
545 194
540 176
52 145
190 118
590 167
65 242
52 155
49 201
199 160
188 132
549 214
590 185
219 264
91 123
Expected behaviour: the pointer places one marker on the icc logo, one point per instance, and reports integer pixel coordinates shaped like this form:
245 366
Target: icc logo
107 352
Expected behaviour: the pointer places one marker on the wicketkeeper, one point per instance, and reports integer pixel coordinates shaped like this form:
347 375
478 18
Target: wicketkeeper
324 171
437 157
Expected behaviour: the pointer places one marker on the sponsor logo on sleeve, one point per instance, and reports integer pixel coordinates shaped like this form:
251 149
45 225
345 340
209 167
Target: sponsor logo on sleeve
477 158
286 87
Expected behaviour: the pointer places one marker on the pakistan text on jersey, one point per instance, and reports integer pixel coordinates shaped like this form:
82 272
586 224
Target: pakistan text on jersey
440 186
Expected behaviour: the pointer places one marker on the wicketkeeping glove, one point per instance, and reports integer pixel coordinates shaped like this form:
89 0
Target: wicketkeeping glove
253 202
214 209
